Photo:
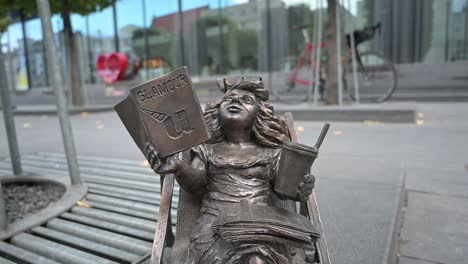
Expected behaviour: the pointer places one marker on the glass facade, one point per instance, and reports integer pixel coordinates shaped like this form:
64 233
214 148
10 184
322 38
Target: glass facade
217 37
429 31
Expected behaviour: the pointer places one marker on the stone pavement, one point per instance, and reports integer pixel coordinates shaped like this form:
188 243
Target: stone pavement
372 179
435 226
395 112
416 82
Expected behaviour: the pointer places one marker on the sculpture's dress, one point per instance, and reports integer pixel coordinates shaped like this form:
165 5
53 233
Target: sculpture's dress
228 182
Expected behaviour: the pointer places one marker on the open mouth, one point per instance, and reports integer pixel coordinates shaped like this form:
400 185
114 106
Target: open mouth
234 109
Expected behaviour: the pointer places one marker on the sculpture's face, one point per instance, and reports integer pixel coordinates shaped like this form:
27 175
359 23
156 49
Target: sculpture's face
239 107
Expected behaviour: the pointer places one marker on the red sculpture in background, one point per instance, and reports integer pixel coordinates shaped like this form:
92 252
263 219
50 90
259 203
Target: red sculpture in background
115 66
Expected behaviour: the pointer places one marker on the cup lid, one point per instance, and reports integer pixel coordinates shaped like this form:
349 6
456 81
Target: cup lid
294 146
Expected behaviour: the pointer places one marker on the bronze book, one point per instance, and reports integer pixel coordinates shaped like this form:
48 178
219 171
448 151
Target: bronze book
165 112
249 222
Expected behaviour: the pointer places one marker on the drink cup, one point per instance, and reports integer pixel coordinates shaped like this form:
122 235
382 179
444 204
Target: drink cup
295 162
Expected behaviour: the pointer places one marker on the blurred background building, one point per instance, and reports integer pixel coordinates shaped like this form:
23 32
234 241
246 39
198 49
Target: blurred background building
217 37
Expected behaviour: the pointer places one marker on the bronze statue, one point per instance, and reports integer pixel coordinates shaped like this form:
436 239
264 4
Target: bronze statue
230 179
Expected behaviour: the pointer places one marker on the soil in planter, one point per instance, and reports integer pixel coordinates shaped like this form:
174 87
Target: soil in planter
23 199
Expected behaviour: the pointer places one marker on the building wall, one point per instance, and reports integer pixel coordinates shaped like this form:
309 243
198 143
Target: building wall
426 31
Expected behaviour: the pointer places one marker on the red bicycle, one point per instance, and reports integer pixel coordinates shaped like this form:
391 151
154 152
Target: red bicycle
376 75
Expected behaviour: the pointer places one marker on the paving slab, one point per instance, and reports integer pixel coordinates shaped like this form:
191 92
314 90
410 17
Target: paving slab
359 169
359 201
52 109
405 260
391 113
447 181
359 219
435 228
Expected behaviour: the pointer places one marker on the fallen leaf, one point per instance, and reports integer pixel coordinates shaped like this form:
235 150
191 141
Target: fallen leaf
338 132
83 204
144 163
108 91
371 122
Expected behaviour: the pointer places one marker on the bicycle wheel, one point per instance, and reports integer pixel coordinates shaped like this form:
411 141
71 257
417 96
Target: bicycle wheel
377 78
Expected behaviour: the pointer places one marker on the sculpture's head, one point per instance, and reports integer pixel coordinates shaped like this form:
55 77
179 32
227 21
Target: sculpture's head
244 106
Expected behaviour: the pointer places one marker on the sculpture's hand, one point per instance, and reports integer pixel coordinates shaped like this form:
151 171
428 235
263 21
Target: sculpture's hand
305 187
161 165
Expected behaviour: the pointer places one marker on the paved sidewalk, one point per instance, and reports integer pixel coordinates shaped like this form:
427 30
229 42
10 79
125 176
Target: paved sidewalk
435 226
366 171
386 112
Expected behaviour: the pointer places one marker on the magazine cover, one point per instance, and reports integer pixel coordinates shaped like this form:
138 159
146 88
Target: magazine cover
165 112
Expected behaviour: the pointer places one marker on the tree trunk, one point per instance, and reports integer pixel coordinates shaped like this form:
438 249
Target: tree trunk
332 68
72 57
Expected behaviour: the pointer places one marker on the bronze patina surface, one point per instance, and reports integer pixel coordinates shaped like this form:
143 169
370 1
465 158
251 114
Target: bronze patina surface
165 112
228 208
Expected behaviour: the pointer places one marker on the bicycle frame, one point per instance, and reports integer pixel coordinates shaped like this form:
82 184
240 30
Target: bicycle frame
306 53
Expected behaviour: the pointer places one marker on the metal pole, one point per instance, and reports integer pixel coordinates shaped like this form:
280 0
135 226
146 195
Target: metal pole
268 46
338 52
101 44
318 56
46 70
145 32
8 117
181 33
221 38
116 28
25 44
44 13
465 54
10 65
3 214
313 45
353 56
447 29
90 53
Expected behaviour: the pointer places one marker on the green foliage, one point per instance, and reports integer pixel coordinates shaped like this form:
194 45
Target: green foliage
212 21
298 15
5 8
29 8
248 53
368 6
140 33
81 7
4 22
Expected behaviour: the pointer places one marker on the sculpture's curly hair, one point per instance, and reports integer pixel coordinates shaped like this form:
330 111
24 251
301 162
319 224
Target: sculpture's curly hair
268 130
